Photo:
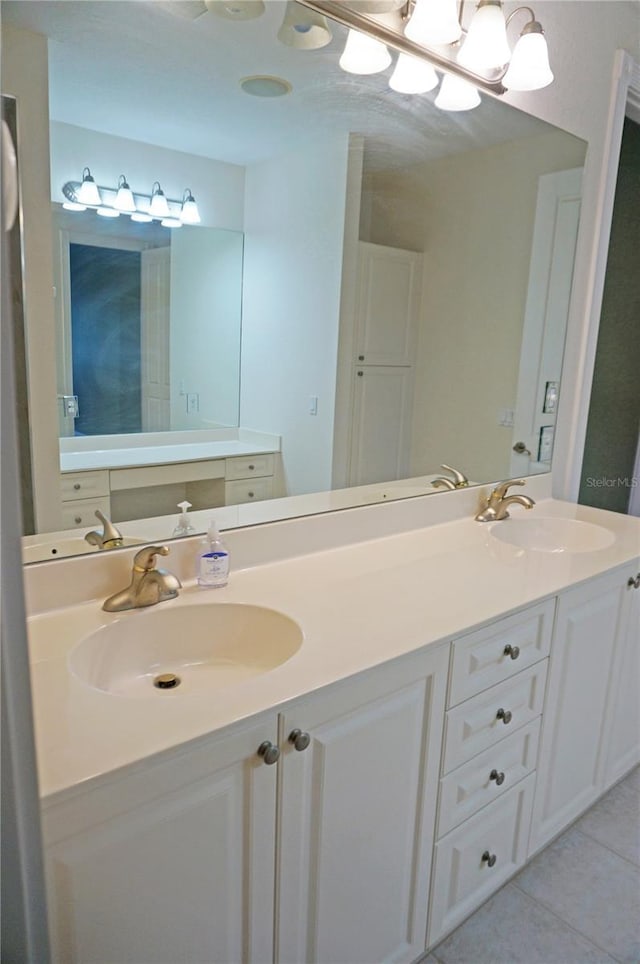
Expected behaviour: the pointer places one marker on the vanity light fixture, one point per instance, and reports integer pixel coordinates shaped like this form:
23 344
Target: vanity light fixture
529 67
189 213
364 55
485 46
413 76
158 208
434 22
304 29
110 202
456 94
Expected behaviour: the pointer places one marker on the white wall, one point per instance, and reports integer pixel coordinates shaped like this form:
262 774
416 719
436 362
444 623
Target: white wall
217 187
294 222
206 308
583 36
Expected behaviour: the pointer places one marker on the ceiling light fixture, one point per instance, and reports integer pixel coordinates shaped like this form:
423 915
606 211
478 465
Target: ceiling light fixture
110 202
304 29
364 54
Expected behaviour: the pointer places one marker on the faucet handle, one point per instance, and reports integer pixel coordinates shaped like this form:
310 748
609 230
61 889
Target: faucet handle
459 478
145 559
501 490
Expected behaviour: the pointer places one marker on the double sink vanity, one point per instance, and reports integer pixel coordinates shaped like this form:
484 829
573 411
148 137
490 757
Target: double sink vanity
344 752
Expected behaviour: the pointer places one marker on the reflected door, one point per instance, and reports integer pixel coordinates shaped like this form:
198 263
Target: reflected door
155 339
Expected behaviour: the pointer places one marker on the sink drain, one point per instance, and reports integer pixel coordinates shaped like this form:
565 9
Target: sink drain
166 681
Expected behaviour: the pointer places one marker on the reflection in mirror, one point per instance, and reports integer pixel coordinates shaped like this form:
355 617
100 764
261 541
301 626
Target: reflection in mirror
404 279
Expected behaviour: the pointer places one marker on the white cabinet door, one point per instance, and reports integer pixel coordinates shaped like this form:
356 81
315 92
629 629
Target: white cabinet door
624 746
575 722
173 863
357 817
389 291
381 428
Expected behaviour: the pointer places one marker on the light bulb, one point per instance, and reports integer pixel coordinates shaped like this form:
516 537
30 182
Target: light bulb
364 55
413 76
171 223
486 47
88 192
434 22
158 207
141 217
124 198
529 68
189 213
108 213
457 94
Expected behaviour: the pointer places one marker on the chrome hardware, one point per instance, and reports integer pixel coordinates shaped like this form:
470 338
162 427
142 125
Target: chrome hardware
299 740
495 508
459 481
269 752
497 776
521 449
489 859
167 681
504 715
512 651
148 585
109 538
634 583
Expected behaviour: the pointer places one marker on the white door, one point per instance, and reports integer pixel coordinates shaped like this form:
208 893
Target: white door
155 271
172 864
357 818
380 432
624 746
550 278
388 303
576 722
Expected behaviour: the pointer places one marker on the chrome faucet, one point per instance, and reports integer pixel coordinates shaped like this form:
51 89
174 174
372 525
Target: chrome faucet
109 538
148 584
459 481
498 502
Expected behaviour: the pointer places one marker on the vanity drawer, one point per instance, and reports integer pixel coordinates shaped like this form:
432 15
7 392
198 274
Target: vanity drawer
476 725
83 513
249 467
462 878
150 475
480 661
83 485
248 490
471 787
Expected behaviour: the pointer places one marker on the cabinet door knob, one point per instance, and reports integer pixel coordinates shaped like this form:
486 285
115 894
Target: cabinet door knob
251 494
512 651
78 520
489 859
498 776
251 467
360 357
76 486
299 740
504 715
634 583
269 752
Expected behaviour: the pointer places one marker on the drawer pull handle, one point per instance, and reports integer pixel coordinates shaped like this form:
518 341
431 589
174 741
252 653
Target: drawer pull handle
269 752
77 486
512 651
299 740
489 859
504 715
497 776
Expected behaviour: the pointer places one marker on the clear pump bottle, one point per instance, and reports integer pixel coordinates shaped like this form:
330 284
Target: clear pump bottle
213 560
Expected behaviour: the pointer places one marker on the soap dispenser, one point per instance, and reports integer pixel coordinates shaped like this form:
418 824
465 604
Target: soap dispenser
183 526
213 560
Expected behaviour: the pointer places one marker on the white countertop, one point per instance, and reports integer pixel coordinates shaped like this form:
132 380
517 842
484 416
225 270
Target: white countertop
358 606
131 457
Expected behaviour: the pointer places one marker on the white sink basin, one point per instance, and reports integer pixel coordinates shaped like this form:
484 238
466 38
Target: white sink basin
204 647
46 550
553 535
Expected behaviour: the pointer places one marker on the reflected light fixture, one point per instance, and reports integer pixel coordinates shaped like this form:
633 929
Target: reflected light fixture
124 198
413 76
141 217
105 212
88 192
189 213
363 54
486 46
171 223
434 22
303 28
457 94
236 9
158 207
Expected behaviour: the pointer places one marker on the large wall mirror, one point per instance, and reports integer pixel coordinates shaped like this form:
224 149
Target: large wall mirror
376 287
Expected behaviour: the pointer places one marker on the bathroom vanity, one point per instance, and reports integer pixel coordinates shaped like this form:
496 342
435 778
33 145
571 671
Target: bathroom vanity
457 694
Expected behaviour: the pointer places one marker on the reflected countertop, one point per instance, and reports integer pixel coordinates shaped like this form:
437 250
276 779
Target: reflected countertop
358 605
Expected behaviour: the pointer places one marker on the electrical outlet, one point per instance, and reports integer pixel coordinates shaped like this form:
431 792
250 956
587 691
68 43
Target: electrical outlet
193 403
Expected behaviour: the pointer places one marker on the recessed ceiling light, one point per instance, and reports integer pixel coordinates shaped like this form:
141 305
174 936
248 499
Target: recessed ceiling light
264 86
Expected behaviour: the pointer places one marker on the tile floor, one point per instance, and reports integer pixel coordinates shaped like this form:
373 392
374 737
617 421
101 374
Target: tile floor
577 902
